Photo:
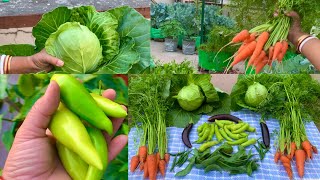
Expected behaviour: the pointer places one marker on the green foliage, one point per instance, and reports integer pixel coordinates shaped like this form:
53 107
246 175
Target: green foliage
18 50
172 28
218 37
118 168
184 67
251 13
189 15
305 89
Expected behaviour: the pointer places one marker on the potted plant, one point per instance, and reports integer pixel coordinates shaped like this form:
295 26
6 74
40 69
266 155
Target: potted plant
208 57
171 30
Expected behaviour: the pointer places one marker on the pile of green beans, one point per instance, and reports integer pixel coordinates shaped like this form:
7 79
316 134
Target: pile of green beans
234 134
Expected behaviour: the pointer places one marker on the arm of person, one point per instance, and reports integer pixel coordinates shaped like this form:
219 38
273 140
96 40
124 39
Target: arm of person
41 61
311 48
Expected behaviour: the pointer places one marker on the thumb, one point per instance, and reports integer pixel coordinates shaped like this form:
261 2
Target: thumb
37 120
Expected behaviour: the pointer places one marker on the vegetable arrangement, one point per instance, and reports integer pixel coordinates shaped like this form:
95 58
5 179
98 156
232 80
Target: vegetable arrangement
111 42
82 145
293 100
153 99
265 43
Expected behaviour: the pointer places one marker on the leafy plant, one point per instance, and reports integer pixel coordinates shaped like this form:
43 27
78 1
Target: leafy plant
111 42
159 14
218 37
172 28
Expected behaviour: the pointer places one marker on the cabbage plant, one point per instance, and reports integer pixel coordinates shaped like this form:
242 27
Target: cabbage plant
111 42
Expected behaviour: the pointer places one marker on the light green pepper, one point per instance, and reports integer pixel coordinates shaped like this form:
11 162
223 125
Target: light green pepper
100 144
249 142
237 142
110 108
207 145
230 134
219 137
211 132
72 163
241 129
68 129
75 96
224 135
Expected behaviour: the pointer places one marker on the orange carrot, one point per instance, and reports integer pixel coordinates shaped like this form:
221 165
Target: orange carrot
277 156
271 49
134 163
162 166
293 149
242 47
245 53
167 157
251 38
142 153
300 159
152 169
277 50
259 58
158 160
308 148
145 170
260 66
242 36
283 52
142 166
263 38
287 164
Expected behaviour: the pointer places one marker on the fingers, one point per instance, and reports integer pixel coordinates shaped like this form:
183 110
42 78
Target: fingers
38 119
293 14
116 145
51 60
110 94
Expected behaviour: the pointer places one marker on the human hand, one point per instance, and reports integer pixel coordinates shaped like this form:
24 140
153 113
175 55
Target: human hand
295 31
33 154
42 61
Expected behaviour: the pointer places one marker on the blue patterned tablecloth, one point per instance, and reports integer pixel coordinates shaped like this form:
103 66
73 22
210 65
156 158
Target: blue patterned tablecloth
268 170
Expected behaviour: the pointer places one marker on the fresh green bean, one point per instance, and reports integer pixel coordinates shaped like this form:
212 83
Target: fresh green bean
241 129
212 167
211 132
229 126
210 160
230 134
249 142
219 137
237 142
224 135
186 170
207 145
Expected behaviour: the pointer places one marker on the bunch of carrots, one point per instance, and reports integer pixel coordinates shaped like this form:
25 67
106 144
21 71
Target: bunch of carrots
293 142
263 44
154 133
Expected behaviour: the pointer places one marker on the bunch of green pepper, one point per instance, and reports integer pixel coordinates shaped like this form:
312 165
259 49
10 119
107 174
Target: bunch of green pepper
77 126
233 133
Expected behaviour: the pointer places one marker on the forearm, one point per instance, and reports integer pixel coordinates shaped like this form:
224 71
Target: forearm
21 65
311 50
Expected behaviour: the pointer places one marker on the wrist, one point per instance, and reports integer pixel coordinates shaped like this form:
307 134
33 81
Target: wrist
294 37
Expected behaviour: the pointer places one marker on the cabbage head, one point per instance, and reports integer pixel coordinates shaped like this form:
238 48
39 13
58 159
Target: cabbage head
190 97
255 94
77 46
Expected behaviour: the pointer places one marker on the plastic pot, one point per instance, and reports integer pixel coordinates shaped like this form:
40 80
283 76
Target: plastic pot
188 47
170 44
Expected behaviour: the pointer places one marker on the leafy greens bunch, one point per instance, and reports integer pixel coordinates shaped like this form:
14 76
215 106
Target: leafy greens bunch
111 42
